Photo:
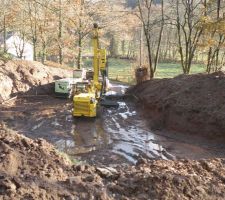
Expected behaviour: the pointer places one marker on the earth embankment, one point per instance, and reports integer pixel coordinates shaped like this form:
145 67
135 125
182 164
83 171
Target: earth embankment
20 76
187 103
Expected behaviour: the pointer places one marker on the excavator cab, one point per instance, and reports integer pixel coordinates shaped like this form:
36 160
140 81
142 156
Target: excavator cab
90 75
82 87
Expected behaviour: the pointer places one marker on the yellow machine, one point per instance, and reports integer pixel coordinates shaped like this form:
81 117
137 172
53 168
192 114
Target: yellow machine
87 94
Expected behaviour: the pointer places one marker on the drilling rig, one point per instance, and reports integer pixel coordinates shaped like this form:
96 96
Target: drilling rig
89 92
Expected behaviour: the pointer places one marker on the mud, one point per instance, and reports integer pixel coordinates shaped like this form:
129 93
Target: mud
19 76
33 169
192 104
115 156
110 138
118 135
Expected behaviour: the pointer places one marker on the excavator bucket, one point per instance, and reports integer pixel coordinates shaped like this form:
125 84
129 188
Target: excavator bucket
107 103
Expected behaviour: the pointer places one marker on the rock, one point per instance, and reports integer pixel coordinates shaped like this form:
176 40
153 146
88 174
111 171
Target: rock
177 180
4 147
69 197
142 197
25 143
7 186
103 195
115 188
89 178
79 168
141 161
107 172
145 169
76 179
200 189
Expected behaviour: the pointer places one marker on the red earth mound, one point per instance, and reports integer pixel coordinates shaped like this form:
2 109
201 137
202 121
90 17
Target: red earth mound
21 76
187 103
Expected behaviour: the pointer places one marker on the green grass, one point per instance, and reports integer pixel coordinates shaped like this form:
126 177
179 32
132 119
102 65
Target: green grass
119 69
170 70
123 70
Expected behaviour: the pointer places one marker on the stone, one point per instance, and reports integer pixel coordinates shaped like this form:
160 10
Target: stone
89 178
79 168
76 179
107 172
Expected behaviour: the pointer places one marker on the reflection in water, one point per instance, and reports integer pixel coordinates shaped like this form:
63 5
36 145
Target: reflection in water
87 135
65 145
120 128
130 137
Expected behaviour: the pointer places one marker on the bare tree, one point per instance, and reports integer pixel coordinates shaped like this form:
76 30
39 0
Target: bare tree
214 62
189 30
152 25
5 20
19 44
81 16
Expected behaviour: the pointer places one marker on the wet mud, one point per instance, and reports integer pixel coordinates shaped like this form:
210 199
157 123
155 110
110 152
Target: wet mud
116 136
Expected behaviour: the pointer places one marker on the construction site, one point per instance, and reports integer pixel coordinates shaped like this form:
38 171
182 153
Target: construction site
151 146
139 144
144 124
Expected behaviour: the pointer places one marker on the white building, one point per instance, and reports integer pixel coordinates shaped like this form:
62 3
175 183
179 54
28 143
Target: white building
18 47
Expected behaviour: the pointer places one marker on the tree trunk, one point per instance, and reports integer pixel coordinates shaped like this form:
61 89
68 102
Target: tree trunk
60 34
4 35
151 71
160 37
123 48
79 57
35 49
113 47
43 56
208 67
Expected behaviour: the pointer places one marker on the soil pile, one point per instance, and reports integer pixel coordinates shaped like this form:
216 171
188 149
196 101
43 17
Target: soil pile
187 103
32 169
22 76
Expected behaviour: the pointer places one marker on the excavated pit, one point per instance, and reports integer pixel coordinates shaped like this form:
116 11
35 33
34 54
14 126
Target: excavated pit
112 144
117 135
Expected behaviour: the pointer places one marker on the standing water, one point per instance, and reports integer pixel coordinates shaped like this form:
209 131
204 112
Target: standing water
119 131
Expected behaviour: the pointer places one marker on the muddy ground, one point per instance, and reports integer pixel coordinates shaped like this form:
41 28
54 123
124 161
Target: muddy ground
33 169
124 153
192 104
118 135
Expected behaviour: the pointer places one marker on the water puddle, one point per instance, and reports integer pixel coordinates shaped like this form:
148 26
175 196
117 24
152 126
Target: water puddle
87 135
130 139
118 130
119 135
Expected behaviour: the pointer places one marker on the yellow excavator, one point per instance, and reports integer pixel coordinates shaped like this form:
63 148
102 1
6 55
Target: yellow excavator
88 93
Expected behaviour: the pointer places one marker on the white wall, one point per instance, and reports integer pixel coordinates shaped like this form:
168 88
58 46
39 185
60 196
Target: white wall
15 43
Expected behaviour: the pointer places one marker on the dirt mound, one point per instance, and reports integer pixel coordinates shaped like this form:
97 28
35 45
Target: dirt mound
32 169
22 76
193 103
